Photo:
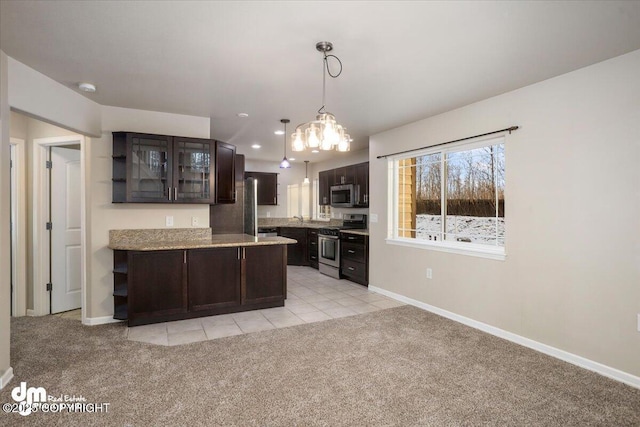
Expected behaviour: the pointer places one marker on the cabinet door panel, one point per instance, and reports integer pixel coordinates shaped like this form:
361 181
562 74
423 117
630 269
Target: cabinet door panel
325 181
344 175
149 175
214 278
157 284
362 184
296 254
265 277
267 187
225 173
193 178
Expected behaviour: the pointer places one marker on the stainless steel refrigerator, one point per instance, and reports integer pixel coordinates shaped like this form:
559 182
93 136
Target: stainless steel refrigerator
251 206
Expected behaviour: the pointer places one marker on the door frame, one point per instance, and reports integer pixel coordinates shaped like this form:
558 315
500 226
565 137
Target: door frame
18 227
41 214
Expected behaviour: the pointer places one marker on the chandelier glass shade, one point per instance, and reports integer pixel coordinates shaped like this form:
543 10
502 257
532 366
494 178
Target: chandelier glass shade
323 133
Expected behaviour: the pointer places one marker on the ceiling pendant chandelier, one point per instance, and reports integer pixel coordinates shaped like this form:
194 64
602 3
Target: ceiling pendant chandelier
284 164
323 133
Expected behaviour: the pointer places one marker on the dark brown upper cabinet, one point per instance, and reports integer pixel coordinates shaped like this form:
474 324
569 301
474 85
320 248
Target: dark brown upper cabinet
344 175
358 175
150 168
325 181
267 186
362 184
193 160
225 172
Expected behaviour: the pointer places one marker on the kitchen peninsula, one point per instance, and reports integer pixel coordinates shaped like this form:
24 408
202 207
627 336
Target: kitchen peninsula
171 274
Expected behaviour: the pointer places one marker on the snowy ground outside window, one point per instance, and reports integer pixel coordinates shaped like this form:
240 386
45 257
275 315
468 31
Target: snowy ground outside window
477 229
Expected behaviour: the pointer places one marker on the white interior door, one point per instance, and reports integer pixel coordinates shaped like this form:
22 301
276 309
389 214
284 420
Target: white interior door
66 248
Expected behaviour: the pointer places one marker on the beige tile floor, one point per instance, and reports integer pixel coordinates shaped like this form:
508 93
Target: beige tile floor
312 297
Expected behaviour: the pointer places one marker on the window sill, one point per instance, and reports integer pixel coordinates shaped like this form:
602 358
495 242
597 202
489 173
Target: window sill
469 249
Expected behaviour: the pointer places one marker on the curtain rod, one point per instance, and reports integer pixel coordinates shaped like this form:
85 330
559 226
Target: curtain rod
511 129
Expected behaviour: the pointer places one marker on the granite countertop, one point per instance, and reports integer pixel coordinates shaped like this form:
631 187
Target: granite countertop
294 223
356 231
301 225
168 239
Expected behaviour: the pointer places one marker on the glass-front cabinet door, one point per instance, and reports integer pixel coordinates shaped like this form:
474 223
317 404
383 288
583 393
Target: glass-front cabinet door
150 176
192 169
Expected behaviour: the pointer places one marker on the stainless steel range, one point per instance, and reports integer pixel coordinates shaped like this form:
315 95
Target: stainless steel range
329 243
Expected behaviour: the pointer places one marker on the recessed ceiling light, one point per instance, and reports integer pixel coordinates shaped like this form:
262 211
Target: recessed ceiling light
279 132
315 151
86 87
291 159
243 115
256 146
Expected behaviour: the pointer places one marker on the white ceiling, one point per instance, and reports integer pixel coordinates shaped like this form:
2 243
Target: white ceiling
403 61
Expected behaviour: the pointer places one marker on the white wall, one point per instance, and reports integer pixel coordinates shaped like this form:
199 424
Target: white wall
40 96
572 274
19 126
5 240
293 175
104 215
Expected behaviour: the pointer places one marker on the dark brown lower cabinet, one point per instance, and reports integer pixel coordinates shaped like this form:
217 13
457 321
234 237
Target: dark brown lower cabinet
354 258
159 286
296 254
312 247
265 273
214 278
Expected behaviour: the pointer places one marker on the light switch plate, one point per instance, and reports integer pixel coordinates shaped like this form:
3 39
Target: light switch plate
168 221
373 218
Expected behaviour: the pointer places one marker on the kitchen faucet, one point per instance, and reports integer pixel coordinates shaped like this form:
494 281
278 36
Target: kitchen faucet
301 218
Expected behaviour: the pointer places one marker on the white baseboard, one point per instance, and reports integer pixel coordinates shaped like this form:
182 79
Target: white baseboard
574 359
6 377
93 321
31 312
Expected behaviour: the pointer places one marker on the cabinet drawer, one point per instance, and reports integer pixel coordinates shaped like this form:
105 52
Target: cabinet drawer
354 251
354 269
353 238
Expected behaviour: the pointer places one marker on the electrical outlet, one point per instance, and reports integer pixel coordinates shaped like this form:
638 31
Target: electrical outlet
429 273
168 221
195 221
638 322
268 214
373 218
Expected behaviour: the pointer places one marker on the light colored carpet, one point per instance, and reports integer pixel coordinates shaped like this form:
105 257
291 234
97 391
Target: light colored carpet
401 366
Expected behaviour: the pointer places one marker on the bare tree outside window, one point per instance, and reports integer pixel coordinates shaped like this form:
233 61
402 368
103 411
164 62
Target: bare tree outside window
472 184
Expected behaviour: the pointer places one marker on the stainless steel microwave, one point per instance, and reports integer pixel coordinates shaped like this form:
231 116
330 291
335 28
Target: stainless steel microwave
343 196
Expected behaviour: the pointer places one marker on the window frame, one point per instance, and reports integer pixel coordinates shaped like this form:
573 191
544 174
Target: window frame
448 246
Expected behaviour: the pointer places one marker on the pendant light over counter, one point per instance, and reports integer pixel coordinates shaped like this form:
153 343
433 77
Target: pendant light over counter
306 172
284 164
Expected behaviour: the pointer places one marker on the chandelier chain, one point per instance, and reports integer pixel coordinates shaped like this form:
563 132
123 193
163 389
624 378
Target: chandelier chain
325 64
